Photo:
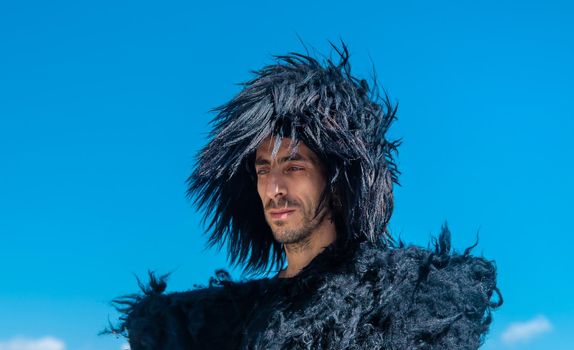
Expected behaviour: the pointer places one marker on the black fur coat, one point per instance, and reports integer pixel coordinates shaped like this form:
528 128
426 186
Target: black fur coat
366 297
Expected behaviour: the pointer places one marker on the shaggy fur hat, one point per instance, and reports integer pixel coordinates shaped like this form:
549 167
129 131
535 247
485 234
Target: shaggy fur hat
338 116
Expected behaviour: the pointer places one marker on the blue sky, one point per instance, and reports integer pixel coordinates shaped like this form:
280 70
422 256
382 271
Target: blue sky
104 104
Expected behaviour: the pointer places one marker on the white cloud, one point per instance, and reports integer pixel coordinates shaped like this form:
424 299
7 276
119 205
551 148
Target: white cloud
125 346
46 343
523 331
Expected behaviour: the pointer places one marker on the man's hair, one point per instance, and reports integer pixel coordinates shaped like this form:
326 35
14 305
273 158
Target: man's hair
339 117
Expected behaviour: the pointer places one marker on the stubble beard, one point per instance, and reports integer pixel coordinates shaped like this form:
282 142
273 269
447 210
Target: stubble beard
297 235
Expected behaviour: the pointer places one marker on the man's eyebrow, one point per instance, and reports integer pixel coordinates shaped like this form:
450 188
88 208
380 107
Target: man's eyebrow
295 156
261 161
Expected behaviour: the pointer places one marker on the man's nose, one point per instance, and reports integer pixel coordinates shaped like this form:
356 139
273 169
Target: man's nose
276 188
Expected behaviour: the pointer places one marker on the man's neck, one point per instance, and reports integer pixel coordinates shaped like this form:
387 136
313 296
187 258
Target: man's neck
301 253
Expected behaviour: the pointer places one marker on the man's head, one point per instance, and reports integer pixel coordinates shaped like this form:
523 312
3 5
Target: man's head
291 186
297 106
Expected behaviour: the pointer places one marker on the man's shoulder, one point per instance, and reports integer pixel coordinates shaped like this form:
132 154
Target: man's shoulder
436 272
432 291
196 318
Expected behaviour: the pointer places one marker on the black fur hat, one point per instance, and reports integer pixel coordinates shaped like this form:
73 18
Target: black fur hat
339 117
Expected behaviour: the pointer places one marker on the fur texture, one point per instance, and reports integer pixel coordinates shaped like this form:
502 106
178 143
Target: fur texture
369 297
339 117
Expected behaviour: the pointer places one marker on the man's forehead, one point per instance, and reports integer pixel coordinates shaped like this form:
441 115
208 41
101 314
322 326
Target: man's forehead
288 147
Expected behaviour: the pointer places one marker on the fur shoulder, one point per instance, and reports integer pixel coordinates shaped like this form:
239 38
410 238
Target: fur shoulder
186 320
433 298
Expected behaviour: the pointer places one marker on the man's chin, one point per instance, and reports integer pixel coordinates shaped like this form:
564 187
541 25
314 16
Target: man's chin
287 235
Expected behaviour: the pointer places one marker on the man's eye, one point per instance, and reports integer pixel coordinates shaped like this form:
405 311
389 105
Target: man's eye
262 171
294 168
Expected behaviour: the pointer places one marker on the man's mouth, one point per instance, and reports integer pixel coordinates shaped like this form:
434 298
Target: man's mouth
280 214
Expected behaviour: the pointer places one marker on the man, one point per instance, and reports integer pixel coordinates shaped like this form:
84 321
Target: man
298 168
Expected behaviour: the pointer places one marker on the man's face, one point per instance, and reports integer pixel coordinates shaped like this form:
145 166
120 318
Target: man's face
290 187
